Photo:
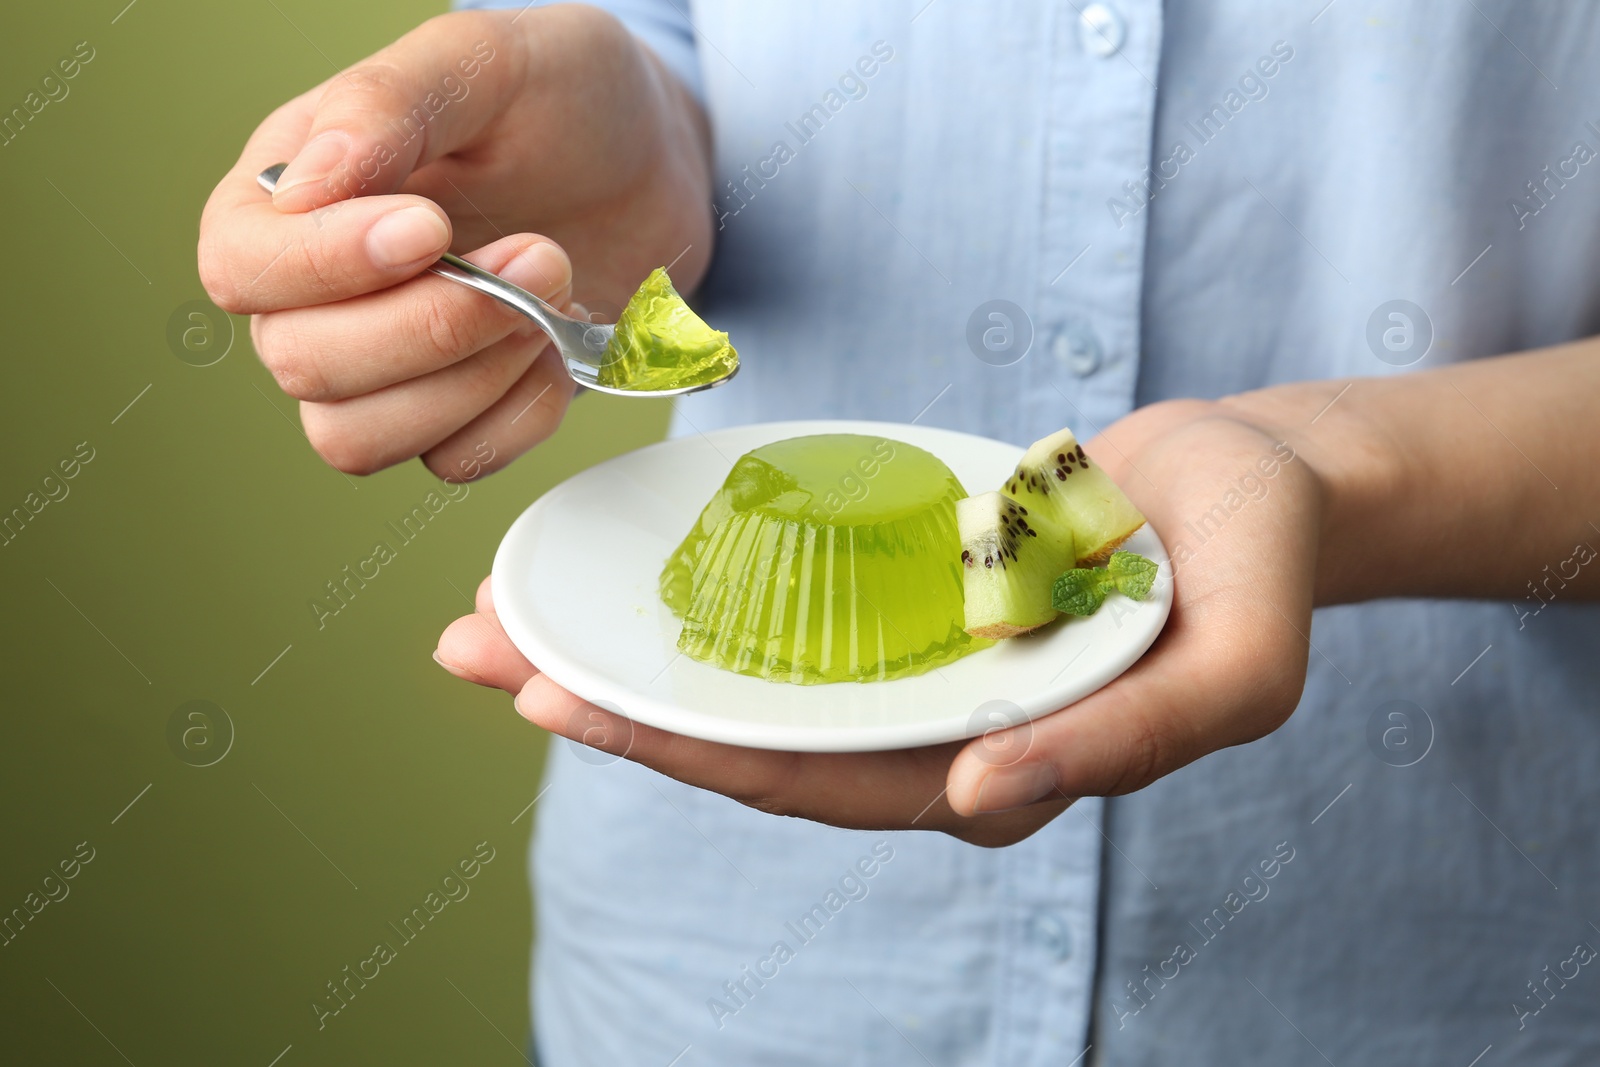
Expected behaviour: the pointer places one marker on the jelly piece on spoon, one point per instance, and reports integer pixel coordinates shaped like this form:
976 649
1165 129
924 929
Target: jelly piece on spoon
661 344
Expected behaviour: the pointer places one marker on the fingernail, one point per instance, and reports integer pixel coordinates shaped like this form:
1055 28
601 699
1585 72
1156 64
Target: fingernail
406 236
315 160
542 269
459 672
1005 788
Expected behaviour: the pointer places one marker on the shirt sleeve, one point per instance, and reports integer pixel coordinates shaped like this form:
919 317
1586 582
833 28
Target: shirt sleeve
661 24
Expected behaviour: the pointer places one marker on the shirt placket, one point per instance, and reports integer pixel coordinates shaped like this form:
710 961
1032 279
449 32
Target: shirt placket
1049 914
1099 123
1083 373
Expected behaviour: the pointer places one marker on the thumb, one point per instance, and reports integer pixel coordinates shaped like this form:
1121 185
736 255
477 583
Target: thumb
432 91
1225 671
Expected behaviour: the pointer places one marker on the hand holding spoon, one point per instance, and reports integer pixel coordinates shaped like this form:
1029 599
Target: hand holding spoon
582 344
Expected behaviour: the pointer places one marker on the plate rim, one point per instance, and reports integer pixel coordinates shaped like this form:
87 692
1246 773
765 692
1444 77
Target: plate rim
666 714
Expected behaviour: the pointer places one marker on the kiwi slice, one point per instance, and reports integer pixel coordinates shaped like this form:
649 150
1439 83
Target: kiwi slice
1009 565
1062 489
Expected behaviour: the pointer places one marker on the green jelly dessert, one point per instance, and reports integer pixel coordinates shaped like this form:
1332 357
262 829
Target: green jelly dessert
829 558
660 343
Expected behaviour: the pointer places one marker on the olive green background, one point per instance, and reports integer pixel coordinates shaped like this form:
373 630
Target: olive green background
179 565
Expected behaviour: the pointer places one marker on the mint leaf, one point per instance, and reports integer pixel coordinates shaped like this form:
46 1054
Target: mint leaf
1082 590
1131 574
1079 591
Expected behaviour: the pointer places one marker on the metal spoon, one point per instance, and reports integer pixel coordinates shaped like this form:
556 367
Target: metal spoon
581 344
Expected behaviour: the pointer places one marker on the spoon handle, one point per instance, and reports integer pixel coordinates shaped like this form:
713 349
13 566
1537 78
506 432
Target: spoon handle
551 321
576 339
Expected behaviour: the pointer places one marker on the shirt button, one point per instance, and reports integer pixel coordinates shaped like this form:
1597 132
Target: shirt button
1100 30
1051 934
1077 348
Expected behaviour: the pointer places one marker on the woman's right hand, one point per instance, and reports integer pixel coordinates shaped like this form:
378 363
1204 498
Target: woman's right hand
561 148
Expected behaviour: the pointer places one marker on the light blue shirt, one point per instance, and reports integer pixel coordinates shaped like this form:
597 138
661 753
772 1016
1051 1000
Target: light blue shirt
1187 199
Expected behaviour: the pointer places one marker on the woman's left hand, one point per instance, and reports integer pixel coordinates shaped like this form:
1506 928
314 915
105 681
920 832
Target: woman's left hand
1227 669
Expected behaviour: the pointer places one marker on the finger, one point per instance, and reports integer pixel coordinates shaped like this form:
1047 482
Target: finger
379 429
433 90
255 259
899 790
476 649
483 600
1182 700
745 774
526 415
359 345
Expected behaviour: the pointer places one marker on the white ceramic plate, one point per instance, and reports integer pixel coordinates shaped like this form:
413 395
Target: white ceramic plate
575 587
